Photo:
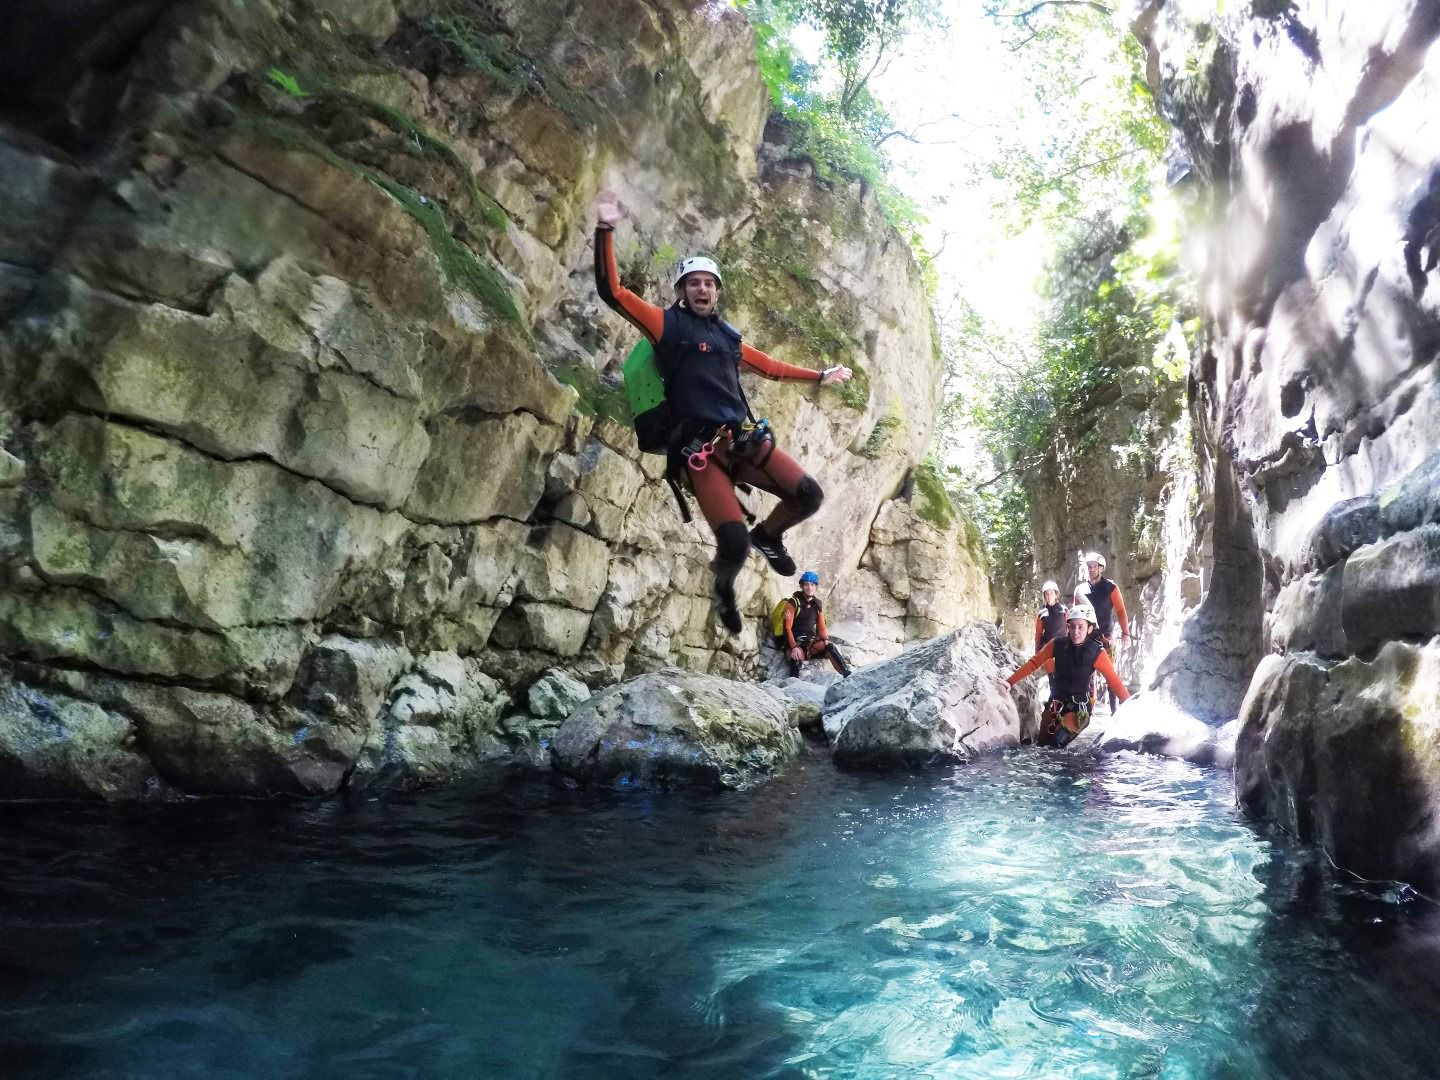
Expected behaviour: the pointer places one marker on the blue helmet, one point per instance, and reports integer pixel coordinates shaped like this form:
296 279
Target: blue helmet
810 576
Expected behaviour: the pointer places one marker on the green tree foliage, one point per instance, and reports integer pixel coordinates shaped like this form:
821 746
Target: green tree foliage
1117 317
1090 136
1078 165
829 111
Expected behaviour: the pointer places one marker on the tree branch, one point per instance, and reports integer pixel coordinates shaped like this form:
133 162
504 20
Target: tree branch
1023 16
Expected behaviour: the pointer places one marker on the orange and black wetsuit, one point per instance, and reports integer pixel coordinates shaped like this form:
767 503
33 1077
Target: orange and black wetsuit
1068 711
701 359
1109 608
805 630
1049 624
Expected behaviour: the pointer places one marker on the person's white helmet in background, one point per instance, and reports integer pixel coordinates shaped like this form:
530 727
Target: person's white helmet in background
1081 611
1048 586
1095 557
695 264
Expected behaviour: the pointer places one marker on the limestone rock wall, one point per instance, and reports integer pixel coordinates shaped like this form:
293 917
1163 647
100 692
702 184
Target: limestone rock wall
308 469
1315 148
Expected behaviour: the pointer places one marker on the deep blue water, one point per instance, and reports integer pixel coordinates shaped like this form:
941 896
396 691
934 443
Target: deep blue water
1031 915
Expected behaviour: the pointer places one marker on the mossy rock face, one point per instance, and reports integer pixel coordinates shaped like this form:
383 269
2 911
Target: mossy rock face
54 745
287 374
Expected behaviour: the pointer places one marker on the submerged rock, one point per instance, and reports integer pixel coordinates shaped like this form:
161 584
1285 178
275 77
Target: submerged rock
673 728
941 700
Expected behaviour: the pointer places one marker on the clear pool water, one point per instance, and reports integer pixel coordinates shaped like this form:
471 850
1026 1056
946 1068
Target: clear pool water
1031 915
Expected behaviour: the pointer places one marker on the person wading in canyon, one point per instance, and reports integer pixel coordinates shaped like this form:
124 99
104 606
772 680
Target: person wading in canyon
1104 596
714 440
1072 659
1049 620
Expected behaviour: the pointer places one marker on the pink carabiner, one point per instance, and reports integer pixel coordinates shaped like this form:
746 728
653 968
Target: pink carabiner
698 459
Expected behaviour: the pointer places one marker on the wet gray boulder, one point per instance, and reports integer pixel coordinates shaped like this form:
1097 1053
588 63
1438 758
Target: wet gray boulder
555 695
672 728
937 701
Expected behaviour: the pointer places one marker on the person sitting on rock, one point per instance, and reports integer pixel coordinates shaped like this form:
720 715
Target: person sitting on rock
1073 659
715 442
805 635
1104 596
1050 619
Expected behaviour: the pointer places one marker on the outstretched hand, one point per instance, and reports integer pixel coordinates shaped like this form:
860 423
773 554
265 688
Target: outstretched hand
834 375
1004 684
608 208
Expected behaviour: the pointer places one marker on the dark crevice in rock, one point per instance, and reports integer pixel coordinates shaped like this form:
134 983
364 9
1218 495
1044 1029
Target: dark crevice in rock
472 413
166 530
149 427
32 665
217 632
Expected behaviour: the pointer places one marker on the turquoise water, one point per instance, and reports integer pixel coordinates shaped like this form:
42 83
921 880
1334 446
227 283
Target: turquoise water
1031 915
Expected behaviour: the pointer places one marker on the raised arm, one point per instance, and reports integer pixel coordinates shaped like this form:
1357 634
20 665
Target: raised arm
645 317
771 368
1039 630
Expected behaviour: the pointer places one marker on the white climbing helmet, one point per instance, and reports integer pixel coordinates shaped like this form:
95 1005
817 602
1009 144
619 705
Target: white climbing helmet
1048 586
1081 611
1095 557
696 263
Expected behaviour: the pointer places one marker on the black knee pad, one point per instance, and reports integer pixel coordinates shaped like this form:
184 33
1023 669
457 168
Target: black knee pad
808 496
732 544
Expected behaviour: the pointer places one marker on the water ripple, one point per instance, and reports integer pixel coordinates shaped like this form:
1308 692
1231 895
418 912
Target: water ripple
1029 915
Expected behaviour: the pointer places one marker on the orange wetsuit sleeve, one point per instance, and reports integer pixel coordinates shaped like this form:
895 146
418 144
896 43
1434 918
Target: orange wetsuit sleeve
820 626
790 624
1039 631
1112 680
1120 614
1034 664
645 317
771 368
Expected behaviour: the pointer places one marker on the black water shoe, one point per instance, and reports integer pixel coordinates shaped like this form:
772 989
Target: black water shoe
774 552
726 607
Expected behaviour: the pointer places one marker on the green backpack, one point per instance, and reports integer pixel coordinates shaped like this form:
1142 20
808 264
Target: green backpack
645 391
777 617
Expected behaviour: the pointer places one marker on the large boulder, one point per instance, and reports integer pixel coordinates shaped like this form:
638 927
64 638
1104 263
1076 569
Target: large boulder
672 728
1348 755
939 701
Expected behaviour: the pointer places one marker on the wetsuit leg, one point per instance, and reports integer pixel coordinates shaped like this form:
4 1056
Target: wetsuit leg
784 477
837 661
715 495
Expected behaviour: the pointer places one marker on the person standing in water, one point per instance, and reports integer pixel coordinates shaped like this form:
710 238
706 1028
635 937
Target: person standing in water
1073 659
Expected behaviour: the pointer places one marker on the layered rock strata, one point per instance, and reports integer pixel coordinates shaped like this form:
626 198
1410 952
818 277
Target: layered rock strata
309 467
